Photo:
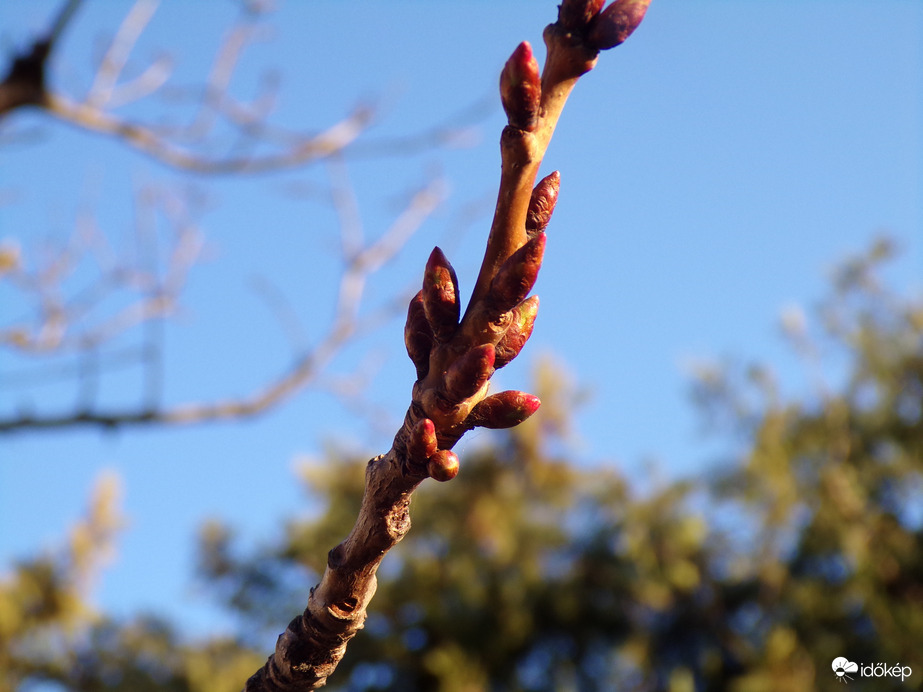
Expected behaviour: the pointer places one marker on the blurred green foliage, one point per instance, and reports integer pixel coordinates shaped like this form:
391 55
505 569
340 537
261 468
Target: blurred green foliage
532 572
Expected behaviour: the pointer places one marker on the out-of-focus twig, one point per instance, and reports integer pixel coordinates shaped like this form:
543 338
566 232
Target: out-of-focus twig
151 143
61 324
65 321
115 59
185 148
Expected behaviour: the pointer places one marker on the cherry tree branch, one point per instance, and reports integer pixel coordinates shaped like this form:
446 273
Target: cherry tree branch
454 355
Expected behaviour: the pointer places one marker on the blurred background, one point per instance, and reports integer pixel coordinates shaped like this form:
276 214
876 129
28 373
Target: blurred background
212 218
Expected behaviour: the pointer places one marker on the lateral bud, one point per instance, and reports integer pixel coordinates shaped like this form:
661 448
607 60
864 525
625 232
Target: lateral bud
519 331
541 205
504 410
521 88
443 465
418 335
576 15
469 373
516 276
616 23
422 443
440 296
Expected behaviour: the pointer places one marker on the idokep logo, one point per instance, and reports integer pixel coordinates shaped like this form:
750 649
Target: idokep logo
843 667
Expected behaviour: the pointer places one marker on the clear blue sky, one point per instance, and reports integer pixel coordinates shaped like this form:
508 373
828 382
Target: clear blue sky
715 168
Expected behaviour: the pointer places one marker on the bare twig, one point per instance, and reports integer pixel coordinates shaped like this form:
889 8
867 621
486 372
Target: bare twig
261 147
25 85
149 142
58 318
63 323
115 59
62 20
454 357
68 323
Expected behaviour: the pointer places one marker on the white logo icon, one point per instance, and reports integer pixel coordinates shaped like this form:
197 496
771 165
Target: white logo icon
842 666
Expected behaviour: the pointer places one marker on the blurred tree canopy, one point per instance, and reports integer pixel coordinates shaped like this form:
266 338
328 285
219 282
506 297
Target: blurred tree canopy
533 572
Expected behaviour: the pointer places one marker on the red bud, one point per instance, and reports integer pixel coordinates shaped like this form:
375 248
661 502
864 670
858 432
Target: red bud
517 275
519 331
617 22
503 410
469 373
541 206
576 15
418 336
422 443
521 88
440 296
443 465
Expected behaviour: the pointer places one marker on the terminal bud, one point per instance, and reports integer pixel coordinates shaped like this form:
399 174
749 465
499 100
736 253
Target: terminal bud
576 15
616 23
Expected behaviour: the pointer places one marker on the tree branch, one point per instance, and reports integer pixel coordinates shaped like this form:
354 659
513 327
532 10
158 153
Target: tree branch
149 142
58 318
456 358
25 85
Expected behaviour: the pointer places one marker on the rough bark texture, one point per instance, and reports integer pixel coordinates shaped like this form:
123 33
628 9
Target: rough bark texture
314 642
455 359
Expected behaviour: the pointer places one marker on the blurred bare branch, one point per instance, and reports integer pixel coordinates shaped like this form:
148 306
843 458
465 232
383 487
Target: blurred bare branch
186 148
150 142
67 320
145 295
86 304
115 59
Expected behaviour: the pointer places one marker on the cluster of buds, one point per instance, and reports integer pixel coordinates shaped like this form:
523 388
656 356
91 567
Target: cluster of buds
455 357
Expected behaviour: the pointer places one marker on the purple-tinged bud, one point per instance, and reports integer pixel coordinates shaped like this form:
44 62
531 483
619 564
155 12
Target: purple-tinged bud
576 15
443 465
516 276
469 373
519 331
422 444
440 296
418 336
503 410
521 88
541 206
616 23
